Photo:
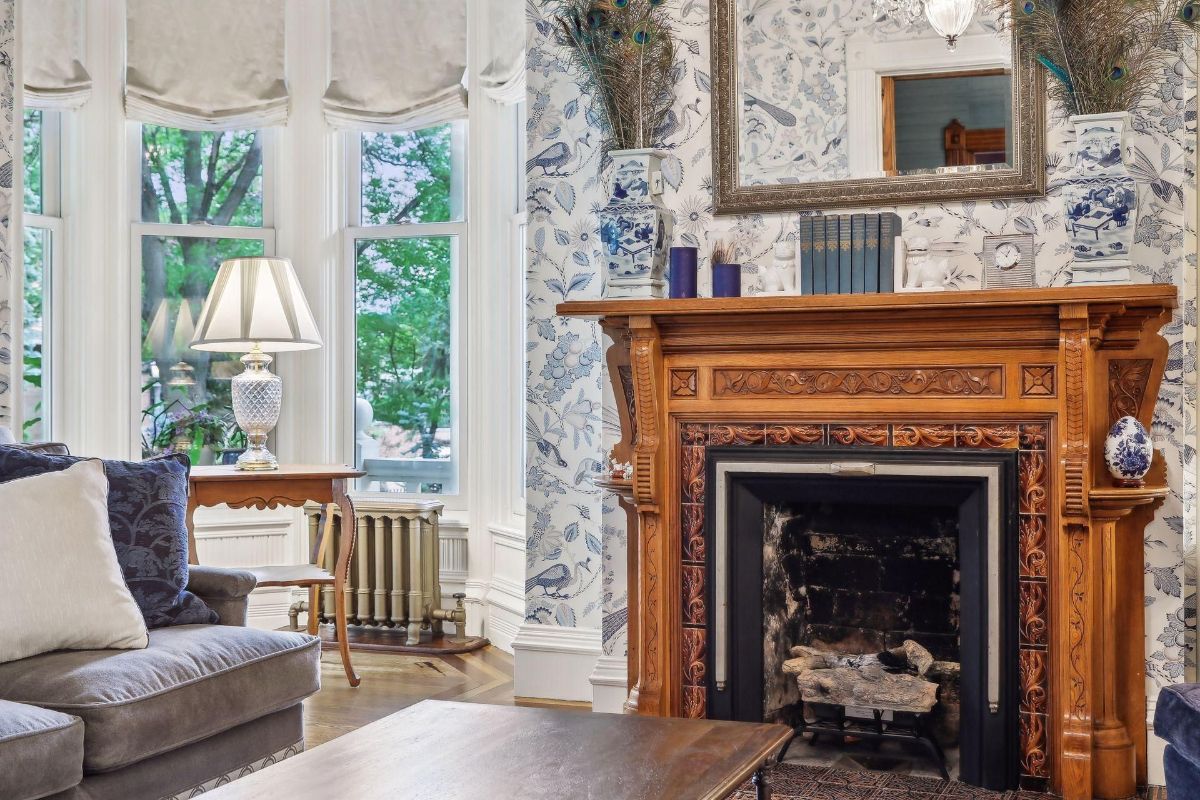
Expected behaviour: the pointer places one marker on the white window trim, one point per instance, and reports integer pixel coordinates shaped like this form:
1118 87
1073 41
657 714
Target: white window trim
459 232
266 234
51 220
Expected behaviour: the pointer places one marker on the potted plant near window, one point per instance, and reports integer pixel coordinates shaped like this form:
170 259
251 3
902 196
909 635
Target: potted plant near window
1102 56
623 52
195 432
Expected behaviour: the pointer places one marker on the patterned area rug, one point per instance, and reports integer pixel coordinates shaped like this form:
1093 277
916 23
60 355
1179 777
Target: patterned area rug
803 782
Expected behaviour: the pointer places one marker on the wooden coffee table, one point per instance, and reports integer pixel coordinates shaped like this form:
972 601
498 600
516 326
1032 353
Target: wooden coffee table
468 751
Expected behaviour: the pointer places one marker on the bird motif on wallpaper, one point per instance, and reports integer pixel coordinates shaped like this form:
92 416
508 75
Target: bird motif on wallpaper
547 448
554 580
785 118
553 157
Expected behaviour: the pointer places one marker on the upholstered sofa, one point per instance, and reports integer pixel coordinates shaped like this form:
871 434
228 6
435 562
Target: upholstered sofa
1177 720
200 705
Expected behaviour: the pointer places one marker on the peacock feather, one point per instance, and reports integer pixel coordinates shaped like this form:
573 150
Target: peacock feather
1103 55
623 52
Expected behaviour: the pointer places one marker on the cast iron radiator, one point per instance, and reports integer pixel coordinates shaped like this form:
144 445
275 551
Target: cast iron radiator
393 579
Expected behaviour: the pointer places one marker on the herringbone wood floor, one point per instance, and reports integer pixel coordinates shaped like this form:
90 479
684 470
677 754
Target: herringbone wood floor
391 682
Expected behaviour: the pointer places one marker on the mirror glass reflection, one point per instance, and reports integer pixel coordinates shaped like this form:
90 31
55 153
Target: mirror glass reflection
847 90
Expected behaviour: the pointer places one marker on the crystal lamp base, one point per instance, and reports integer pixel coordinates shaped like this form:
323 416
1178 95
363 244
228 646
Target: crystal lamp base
257 398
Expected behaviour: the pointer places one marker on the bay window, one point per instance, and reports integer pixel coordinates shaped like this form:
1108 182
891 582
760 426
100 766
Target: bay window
202 197
407 243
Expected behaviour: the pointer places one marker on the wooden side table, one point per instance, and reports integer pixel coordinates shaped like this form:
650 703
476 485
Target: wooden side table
289 486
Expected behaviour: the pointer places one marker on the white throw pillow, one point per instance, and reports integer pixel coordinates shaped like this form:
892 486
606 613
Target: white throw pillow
60 584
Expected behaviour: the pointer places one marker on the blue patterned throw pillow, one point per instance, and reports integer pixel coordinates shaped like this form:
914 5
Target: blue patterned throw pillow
147 512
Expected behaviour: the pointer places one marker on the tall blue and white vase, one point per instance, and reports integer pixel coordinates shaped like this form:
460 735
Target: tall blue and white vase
1128 452
1101 198
635 228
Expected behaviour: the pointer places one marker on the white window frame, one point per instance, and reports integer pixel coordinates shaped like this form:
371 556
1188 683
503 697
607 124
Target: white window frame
355 232
266 234
51 221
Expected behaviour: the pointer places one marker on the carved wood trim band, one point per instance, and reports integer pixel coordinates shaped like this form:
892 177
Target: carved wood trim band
1035 577
935 381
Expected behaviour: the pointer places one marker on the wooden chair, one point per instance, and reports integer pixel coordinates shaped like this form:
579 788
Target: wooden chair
314 577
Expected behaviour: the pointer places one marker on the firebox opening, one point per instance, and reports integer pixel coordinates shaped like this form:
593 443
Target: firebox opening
870 603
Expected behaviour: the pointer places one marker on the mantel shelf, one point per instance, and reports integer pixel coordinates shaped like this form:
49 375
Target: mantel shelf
1155 294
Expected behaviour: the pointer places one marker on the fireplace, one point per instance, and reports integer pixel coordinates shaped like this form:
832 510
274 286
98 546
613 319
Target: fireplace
1040 374
855 554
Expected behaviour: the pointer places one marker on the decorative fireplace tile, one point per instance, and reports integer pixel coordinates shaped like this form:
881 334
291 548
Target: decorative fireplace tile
1032 609
988 436
1033 680
694 642
694 610
693 532
1033 546
1030 438
795 434
1032 474
724 435
692 460
859 435
922 435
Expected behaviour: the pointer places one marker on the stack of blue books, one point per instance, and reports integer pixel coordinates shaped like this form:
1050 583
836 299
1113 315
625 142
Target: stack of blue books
848 253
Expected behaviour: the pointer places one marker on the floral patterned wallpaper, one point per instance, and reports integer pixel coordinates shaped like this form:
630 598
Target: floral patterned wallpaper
576 537
9 340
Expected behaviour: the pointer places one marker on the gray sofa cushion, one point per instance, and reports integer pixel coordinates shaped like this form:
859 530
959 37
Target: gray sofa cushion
41 751
191 682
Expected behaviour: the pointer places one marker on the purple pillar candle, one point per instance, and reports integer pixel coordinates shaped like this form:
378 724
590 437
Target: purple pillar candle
684 270
727 280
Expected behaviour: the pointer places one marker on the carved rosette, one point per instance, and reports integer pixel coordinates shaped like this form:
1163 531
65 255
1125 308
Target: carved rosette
1030 438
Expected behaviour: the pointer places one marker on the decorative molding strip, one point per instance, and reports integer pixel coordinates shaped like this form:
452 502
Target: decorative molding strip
937 381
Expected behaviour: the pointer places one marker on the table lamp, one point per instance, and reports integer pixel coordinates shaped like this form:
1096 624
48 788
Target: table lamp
256 305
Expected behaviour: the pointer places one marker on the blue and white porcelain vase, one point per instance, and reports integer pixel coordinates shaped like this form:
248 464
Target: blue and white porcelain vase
1128 452
1101 199
635 227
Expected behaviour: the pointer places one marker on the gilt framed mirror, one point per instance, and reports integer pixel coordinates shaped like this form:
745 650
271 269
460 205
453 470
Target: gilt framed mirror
826 105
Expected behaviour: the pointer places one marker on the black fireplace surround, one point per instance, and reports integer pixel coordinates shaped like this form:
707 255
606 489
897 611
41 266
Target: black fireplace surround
988 738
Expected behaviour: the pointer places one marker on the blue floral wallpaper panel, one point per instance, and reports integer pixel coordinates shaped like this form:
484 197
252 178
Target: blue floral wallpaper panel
576 538
9 339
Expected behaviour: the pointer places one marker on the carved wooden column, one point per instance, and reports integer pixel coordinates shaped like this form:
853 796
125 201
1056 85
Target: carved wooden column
1074 620
653 694
1114 763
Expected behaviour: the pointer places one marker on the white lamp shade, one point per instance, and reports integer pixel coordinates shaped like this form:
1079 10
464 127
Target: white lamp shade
256 302
950 18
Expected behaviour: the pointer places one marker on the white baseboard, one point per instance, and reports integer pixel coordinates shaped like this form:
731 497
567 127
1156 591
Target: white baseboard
269 608
1155 749
610 682
553 663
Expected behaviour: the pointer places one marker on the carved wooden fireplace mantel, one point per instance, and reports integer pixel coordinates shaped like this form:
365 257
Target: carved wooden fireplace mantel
1043 372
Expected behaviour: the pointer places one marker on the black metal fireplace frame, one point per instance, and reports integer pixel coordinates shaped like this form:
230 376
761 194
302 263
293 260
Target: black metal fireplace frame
989 742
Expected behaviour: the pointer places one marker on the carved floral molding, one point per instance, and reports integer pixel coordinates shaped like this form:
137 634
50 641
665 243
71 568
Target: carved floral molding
943 381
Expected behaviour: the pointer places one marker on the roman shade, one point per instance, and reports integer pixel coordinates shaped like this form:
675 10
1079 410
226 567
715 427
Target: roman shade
212 65
503 79
396 64
52 54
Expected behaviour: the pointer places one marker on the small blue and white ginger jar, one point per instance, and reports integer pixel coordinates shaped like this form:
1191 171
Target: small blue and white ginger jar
1128 452
635 227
